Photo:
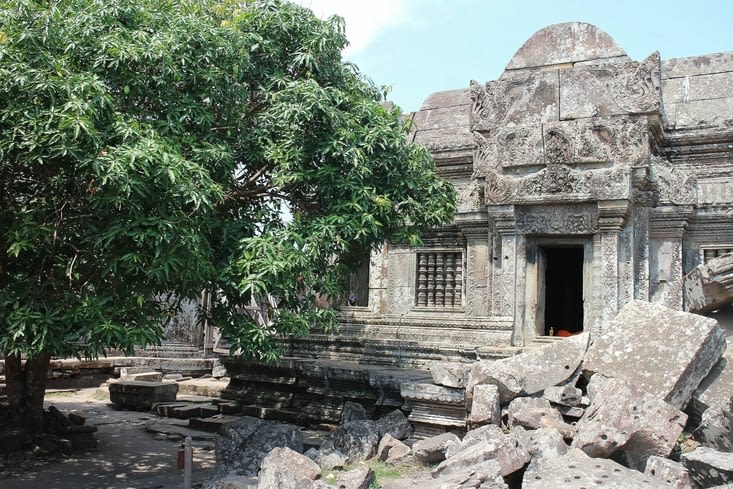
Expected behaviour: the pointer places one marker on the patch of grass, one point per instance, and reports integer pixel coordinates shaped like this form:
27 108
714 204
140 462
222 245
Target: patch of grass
382 471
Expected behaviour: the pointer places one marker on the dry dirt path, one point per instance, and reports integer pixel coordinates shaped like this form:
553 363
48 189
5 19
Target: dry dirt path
127 456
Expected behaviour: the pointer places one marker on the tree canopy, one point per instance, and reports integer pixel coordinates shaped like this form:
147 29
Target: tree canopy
152 146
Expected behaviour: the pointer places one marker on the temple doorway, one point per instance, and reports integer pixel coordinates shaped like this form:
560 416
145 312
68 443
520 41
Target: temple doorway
563 290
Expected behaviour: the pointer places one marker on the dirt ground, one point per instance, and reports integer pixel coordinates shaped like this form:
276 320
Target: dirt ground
128 456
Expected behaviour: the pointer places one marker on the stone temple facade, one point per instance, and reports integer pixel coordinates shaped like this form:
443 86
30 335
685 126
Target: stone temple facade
586 180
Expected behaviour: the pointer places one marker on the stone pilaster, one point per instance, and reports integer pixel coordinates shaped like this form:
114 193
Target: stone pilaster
504 267
666 231
611 222
477 297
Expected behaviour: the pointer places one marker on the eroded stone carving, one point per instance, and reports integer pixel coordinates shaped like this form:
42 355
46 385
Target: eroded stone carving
557 219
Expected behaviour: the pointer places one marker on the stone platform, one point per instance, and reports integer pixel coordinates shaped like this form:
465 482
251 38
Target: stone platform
135 394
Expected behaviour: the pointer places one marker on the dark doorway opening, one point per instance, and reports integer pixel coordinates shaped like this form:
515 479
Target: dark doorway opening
563 290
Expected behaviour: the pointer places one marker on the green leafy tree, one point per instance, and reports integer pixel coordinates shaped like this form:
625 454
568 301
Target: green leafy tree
150 146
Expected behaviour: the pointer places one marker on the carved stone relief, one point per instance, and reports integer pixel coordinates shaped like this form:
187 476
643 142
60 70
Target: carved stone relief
557 179
611 89
522 149
557 219
672 185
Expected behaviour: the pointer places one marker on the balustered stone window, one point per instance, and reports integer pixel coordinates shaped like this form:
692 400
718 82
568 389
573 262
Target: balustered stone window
710 253
439 279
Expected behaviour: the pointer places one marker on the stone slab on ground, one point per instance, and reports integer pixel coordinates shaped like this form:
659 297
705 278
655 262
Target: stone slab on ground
709 467
576 470
625 421
530 372
141 395
207 387
674 352
212 424
178 432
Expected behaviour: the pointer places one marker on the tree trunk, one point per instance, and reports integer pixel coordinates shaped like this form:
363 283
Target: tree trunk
26 387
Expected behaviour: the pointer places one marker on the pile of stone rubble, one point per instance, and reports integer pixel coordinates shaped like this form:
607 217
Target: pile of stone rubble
616 413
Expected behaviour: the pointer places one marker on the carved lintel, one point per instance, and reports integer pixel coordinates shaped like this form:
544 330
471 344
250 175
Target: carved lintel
557 219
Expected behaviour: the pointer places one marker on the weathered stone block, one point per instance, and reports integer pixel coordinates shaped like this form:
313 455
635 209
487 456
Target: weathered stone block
716 428
504 449
433 449
578 471
677 352
486 407
485 475
669 471
543 442
243 444
284 468
623 420
710 286
391 450
141 395
533 413
450 374
709 467
359 478
566 395
357 440
532 371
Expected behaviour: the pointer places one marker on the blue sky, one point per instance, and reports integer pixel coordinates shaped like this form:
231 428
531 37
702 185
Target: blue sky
422 46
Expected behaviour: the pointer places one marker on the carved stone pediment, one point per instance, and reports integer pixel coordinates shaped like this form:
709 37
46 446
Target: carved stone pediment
602 141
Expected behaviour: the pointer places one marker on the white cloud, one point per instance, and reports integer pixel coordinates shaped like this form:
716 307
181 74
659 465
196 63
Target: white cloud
365 19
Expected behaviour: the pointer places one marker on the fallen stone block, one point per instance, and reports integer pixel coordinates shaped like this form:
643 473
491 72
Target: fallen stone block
570 412
715 389
243 444
709 467
432 450
394 423
542 442
391 450
486 405
450 374
485 475
488 432
141 395
359 478
709 286
624 421
576 470
353 411
435 409
329 459
716 428
533 413
529 372
357 440
283 468
669 471
503 449
565 395
677 352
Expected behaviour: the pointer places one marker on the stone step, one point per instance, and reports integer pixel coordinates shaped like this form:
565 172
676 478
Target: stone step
212 424
194 411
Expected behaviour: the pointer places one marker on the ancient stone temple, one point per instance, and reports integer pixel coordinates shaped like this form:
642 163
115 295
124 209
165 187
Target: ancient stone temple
586 180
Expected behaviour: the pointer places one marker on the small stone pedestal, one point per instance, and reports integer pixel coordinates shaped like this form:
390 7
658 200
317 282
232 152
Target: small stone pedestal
141 395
